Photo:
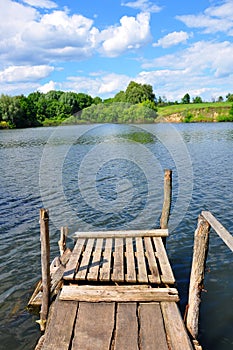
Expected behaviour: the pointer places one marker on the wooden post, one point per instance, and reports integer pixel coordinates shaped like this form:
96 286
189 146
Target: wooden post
45 266
200 250
62 241
167 199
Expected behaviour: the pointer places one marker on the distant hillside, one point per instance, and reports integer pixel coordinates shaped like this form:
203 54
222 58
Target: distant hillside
195 112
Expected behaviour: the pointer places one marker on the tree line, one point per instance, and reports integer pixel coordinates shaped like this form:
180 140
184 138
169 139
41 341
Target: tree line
137 103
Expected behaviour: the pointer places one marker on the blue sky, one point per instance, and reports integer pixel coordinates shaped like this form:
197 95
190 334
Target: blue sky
99 46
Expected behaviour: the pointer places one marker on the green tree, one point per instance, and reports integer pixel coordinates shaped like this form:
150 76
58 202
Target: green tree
137 93
185 99
229 97
197 99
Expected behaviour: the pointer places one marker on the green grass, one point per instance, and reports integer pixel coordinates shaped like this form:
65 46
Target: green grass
198 112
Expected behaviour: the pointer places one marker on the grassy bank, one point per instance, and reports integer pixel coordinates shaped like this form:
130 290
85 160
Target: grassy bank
196 112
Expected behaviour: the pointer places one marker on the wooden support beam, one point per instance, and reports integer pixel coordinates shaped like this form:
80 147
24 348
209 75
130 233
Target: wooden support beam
45 266
200 250
62 241
122 234
167 199
219 228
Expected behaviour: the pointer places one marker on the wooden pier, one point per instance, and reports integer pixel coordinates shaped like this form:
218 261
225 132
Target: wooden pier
114 291
117 293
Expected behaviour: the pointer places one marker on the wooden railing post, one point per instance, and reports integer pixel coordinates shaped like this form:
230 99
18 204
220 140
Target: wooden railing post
62 241
45 266
167 198
200 250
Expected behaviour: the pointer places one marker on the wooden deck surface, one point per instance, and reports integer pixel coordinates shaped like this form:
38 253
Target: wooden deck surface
118 294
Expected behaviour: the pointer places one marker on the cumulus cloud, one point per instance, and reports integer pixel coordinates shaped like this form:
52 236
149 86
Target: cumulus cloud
41 3
214 19
143 5
24 73
98 83
31 37
51 85
132 33
200 57
203 65
172 39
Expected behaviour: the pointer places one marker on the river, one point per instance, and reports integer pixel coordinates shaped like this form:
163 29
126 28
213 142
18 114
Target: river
111 177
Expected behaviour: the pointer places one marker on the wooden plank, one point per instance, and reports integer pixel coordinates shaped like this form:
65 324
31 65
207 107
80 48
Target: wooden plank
175 329
141 264
106 263
152 333
85 262
167 274
130 263
167 198
118 261
73 263
119 234
117 293
126 336
219 228
95 265
59 331
45 266
94 326
154 277
200 250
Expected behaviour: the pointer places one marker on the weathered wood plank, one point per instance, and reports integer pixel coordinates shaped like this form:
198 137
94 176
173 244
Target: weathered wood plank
73 263
94 326
119 234
85 262
105 270
154 277
152 332
95 265
126 336
45 266
167 199
117 293
200 250
130 263
176 332
118 261
167 274
219 228
141 264
60 328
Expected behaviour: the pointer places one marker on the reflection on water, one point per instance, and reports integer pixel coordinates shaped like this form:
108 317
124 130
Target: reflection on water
110 176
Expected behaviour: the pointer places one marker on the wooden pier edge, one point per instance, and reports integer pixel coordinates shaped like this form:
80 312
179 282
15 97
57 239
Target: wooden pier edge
200 251
167 199
45 266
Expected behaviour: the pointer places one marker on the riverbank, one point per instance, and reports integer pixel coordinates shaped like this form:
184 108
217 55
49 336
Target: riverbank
177 113
200 112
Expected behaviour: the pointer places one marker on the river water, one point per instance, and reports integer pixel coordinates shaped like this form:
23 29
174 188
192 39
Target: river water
111 177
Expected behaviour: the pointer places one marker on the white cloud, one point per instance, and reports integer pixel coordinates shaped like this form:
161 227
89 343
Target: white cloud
204 65
31 37
41 3
98 83
51 85
172 39
143 5
214 19
24 73
133 33
200 57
